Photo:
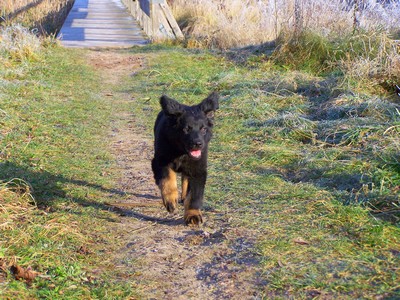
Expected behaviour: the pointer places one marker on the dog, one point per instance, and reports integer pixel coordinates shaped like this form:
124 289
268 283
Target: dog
182 134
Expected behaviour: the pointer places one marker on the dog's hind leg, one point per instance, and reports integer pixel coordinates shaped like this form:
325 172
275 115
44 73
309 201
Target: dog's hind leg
169 189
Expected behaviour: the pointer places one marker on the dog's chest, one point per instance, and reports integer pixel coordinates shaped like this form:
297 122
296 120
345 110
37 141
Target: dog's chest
184 164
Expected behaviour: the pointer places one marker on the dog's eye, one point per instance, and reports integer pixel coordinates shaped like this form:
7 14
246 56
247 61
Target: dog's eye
187 129
204 130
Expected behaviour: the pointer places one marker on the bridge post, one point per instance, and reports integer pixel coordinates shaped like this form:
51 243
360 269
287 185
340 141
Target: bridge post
155 17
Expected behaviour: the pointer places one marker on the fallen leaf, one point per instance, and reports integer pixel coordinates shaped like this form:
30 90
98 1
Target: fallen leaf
301 241
20 273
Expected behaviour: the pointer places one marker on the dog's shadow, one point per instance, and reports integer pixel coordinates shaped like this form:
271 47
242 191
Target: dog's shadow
173 221
48 191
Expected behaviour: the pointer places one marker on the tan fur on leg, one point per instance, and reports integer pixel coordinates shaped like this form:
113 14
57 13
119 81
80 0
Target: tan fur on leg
169 191
191 216
185 185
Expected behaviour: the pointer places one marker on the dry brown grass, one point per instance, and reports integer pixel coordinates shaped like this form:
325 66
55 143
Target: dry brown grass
16 201
44 16
377 61
235 23
13 6
10 6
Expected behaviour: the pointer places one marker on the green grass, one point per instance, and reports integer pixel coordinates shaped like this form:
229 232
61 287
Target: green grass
54 125
295 157
284 168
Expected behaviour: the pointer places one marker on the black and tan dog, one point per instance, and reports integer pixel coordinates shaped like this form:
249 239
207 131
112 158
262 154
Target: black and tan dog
181 135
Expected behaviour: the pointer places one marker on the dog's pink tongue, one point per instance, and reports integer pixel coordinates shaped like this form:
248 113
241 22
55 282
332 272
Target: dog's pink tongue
195 153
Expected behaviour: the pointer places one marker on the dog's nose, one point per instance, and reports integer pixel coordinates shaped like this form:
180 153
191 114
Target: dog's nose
198 144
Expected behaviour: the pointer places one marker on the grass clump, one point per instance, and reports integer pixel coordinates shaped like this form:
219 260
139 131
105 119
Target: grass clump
370 59
18 44
222 24
308 51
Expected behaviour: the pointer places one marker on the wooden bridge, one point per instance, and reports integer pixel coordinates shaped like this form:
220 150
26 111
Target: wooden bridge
118 23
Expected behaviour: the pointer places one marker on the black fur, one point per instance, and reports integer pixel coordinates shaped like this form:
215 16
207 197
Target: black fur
182 134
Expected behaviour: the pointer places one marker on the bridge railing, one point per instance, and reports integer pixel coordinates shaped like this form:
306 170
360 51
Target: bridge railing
155 17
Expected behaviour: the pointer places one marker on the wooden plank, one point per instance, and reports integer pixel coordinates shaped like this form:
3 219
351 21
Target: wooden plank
101 23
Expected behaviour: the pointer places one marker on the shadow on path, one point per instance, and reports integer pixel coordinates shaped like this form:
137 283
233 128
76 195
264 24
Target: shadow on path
48 189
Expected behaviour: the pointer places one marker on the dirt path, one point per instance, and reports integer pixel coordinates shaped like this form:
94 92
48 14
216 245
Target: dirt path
166 259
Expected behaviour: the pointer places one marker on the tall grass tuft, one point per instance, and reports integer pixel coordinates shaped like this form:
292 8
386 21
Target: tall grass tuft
307 50
18 44
370 59
224 24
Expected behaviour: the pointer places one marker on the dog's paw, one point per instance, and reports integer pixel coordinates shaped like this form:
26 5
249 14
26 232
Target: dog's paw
170 206
170 200
193 217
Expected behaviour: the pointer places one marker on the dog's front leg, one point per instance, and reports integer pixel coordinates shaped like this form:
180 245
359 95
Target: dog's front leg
194 200
169 189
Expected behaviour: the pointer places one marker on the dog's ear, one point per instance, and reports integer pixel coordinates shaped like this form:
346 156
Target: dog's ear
170 106
210 104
